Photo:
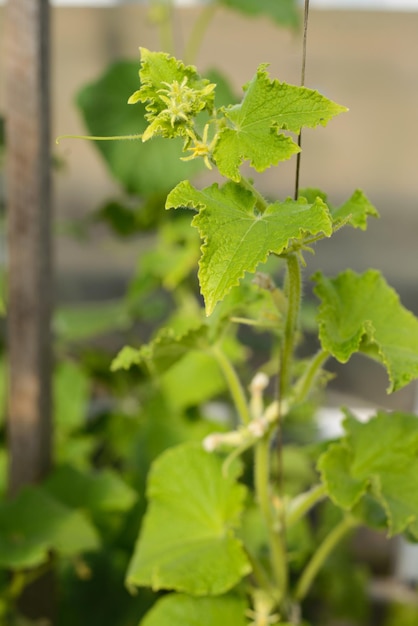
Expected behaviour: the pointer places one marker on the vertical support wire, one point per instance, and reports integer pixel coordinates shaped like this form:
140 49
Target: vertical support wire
302 84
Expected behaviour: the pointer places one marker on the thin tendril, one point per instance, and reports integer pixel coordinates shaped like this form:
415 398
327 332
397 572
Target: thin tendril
94 138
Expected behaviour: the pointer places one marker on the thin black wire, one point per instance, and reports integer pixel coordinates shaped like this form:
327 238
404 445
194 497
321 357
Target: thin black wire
302 83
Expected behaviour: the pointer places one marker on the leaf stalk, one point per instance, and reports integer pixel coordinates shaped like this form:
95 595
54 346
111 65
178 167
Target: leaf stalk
322 554
234 384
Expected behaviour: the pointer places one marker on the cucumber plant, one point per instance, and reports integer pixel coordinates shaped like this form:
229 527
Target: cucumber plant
222 525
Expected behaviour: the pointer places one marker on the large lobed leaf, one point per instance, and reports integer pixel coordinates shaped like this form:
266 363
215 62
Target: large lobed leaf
236 238
378 459
252 130
361 313
187 542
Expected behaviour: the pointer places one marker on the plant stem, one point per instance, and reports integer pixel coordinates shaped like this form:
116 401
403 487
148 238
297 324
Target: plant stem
261 202
294 284
200 26
302 503
234 384
262 484
321 555
165 25
305 383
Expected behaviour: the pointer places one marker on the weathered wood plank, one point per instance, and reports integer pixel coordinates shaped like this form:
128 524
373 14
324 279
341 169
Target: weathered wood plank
28 159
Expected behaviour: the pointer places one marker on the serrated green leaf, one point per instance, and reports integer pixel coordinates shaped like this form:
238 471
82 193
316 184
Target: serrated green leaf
236 239
181 610
284 12
162 352
99 491
141 168
361 313
377 459
187 542
354 212
173 92
34 523
253 127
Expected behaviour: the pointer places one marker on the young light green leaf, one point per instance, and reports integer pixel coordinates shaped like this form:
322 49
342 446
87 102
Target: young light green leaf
144 169
236 238
187 542
380 459
100 491
174 94
361 313
161 353
284 12
180 610
34 524
252 129
354 212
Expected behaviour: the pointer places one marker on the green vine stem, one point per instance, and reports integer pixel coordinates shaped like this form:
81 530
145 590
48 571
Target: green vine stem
234 384
262 490
200 27
294 285
261 202
160 13
321 555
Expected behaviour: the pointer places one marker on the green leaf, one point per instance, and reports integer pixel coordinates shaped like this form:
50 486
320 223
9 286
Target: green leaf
165 350
174 94
87 320
181 610
71 396
361 313
236 238
187 542
253 127
377 459
193 380
100 491
354 212
34 523
141 168
284 12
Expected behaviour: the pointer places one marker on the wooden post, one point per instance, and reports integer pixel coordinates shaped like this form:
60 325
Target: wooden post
28 164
